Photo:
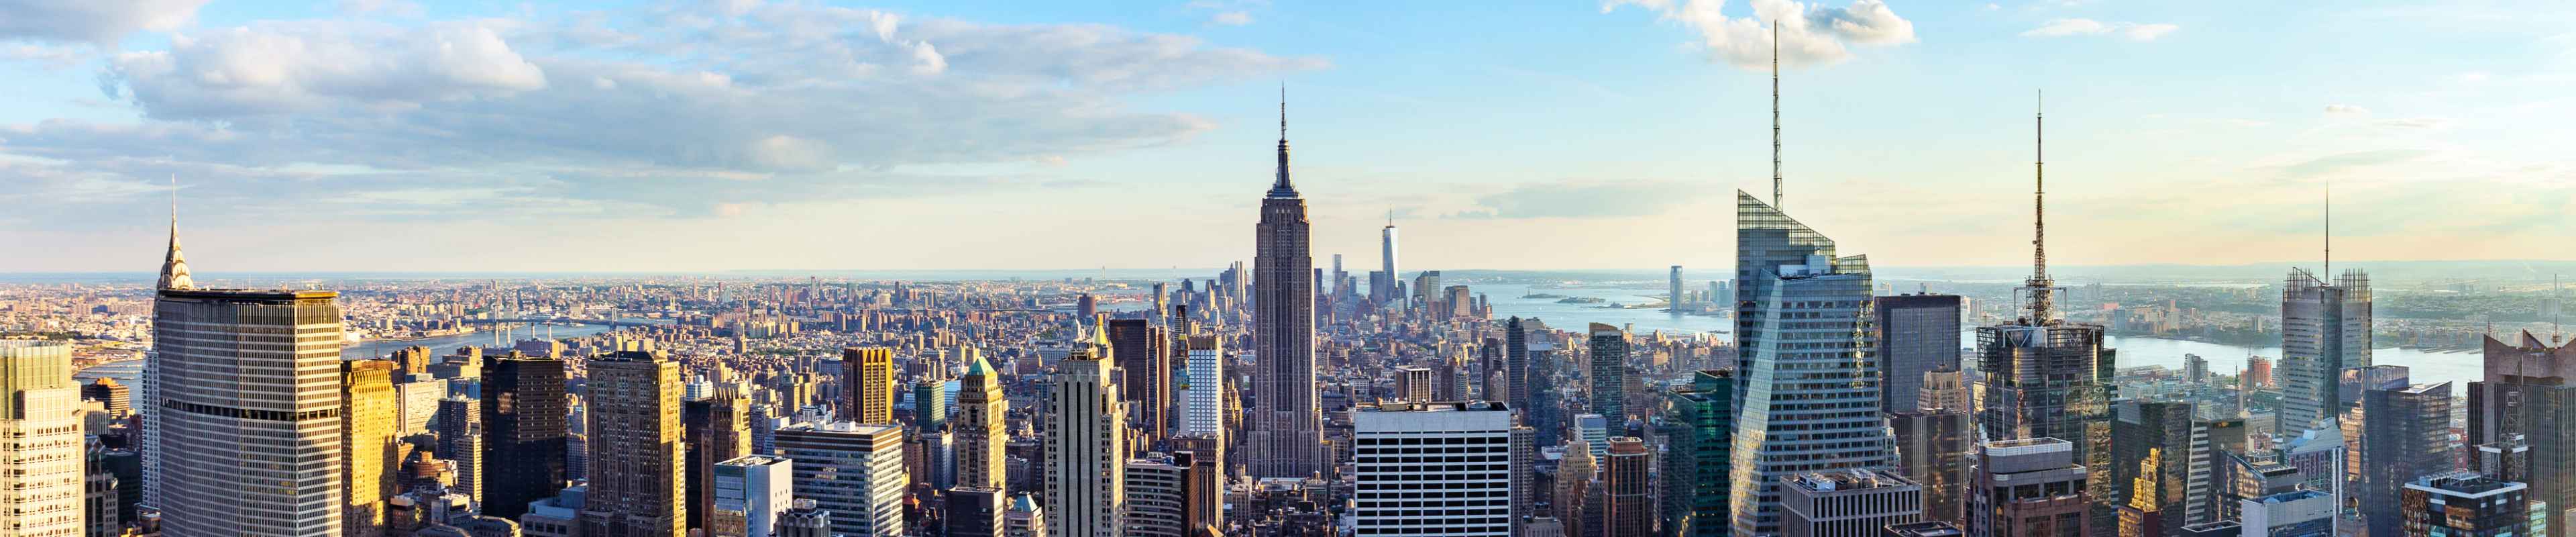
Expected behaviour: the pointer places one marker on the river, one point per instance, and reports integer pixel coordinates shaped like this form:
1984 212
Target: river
130 372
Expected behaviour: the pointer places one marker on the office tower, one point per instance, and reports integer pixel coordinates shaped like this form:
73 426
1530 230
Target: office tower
2289 513
2141 431
2464 504
750 492
1932 449
871 375
100 495
2407 437
1452 382
1516 367
1610 373
1156 497
44 459
1426 290
460 440
937 451
1697 425
853 471
1945 389
1396 497
633 403
1625 474
1382 291
109 394
716 429
1086 306
373 463
1202 388
1917 334
1675 300
1287 436
1797 375
1524 483
1086 448
929 404
2144 515
2352 383
244 390
2324 329
972 513
1460 304
981 431
2049 378
2029 486
1144 365
2529 389
2218 452
526 429
1595 431
1576 484
1413 384
2195 369
1846 503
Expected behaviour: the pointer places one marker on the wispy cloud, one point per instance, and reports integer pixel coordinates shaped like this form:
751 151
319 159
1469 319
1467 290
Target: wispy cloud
2133 31
2345 109
1809 34
1232 18
2350 161
97 22
1584 199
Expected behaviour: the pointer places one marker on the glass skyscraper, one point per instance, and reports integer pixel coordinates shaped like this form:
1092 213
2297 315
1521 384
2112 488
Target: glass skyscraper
1807 362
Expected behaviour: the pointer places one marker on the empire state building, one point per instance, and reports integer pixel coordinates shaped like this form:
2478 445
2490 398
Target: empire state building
1286 438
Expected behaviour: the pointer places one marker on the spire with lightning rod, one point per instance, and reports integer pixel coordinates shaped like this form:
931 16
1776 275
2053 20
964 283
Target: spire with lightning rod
1775 115
1282 188
2041 287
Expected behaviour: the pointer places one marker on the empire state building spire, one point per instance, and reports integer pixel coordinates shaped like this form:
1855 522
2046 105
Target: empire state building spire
1281 188
174 267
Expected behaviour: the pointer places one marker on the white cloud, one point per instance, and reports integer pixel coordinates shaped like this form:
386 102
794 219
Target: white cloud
1810 34
1232 18
2336 109
2132 31
97 22
813 103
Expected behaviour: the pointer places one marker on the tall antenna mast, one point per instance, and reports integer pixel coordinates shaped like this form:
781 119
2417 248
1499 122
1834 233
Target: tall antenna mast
1775 115
2329 275
2040 285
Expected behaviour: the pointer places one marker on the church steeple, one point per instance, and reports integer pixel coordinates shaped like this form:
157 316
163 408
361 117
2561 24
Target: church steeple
174 267
1281 188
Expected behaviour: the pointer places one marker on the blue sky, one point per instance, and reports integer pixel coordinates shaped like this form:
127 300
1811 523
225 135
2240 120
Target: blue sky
391 135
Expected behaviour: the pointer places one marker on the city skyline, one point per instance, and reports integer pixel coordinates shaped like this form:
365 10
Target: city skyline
1626 119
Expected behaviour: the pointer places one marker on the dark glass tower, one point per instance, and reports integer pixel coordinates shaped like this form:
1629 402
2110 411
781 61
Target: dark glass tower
524 417
1286 438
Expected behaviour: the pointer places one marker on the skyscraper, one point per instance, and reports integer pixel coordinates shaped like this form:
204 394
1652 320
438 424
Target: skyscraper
751 491
1202 388
1382 291
872 393
1516 368
1287 436
981 431
367 423
526 427
1396 498
1917 334
633 403
2049 378
1698 422
1610 374
1156 498
716 428
1086 449
2407 436
2530 390
1674 301
1804 351
44 459
244 420
2161 431
2029 486
2324 330
460 440
1625 474
1144 367
852 470
1932 448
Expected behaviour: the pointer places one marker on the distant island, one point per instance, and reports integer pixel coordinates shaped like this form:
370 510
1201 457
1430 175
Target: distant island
1541 295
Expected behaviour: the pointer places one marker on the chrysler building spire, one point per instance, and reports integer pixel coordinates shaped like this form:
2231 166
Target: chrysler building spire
174 267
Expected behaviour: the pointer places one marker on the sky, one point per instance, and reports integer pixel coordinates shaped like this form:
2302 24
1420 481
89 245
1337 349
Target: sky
471 135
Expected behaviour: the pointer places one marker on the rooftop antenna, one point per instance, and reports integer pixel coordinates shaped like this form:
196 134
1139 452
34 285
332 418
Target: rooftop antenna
1775 115
2329 230
2039 283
